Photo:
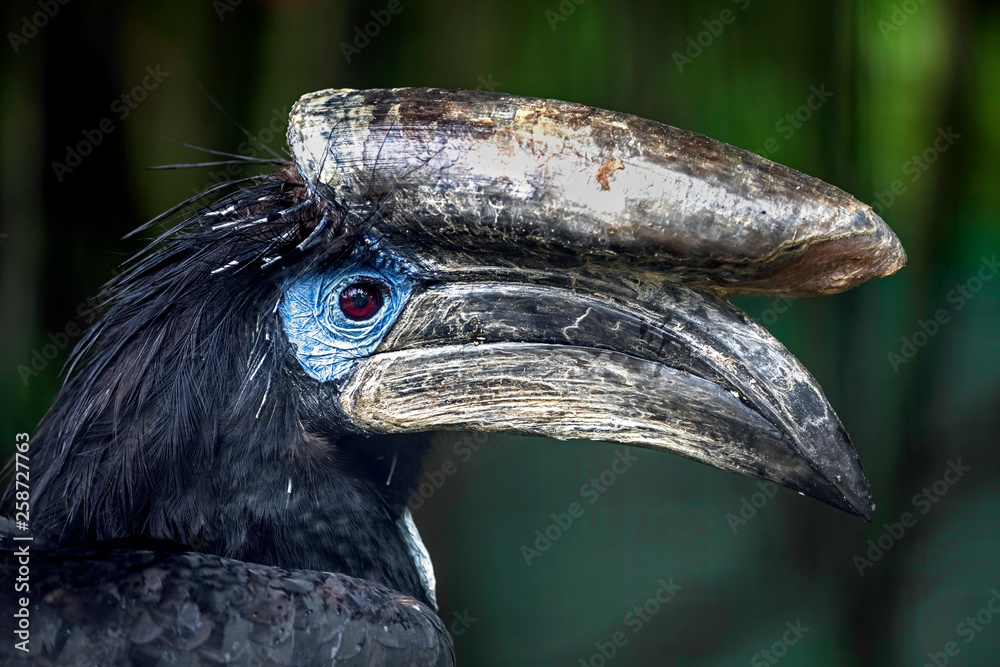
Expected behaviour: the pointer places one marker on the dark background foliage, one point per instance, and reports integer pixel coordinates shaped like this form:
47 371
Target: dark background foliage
902 74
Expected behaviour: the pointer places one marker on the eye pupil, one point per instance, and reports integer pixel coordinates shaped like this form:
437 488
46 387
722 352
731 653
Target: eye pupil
360 301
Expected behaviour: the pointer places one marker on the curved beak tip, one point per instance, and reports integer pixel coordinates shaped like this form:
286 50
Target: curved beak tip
885 252
849 491
860 502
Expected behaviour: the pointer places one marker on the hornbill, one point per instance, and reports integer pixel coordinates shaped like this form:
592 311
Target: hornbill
223 478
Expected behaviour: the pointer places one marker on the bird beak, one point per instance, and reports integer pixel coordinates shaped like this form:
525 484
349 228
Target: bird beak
574 266
665 368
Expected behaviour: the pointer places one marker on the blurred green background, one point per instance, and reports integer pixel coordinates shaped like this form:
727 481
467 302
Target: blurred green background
895 102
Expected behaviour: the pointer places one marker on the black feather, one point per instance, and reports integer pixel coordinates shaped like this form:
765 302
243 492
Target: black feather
138 607
184 416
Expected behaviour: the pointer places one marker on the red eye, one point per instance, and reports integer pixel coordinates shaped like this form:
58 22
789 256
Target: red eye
360 301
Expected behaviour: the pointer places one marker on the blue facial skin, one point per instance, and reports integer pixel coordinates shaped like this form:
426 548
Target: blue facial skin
326 341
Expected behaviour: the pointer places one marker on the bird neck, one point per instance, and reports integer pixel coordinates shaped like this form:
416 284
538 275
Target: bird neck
323 502
347 516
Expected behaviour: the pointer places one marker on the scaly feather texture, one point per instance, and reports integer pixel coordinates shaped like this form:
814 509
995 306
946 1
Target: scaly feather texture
133 607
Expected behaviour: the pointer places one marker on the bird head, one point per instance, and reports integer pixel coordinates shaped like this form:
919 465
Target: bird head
448 260
543 268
